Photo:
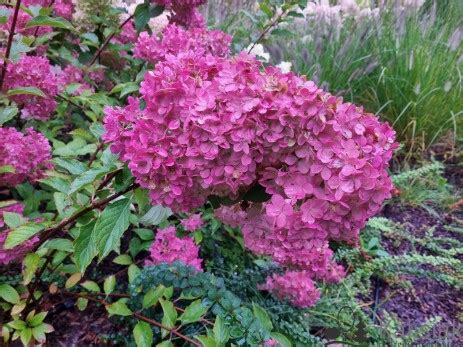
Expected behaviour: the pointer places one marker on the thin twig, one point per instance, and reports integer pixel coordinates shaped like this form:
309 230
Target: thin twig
107 40
10 42
139 316
93 156
266 30
71 102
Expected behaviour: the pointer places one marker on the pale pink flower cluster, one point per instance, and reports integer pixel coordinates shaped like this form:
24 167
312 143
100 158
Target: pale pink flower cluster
29 154
218 126
127 35
72 74
175 40
293 286
33 71
184 12
192 223
168 248
17 253
16 208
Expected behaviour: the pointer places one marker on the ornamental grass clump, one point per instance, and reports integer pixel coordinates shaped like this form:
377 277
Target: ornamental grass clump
213 125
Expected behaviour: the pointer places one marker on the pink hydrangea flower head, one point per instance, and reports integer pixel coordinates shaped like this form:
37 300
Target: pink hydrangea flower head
33 71
175 40
127 35
192 223
64 8
184 12
28 154
72 74
293 286
168 248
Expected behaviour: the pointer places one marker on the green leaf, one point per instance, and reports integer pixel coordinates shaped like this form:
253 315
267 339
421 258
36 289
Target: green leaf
59 244
143 13
133 272
13 220
170 315
220 330
119 308
143 334
263 317
73 280
17 324
57 183
156 215
111 225
281 339
73 166
91 286
31 263
27 91
193 312
152 296
39 333
37 319
109 284
86 178
82 303
9 294
7 168
85 247
7 113
55 22
125 88
22 233
123 259
165 343
145 234
26 336
207 341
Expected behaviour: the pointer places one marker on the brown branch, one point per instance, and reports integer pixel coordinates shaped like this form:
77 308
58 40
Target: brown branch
10 42
93 156
71 102
97 204
106 42
139 316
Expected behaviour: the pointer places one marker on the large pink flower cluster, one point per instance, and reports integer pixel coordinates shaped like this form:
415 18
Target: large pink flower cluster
293 286
175 40
33 71
184 12
168 248
22 20
29 155
17 253
218 126
192 223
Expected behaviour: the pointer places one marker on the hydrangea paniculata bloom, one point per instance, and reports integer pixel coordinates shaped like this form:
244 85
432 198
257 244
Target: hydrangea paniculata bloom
192 223
17 253
218 126
29 154
293 286
33 71
168 248
184 12
175 40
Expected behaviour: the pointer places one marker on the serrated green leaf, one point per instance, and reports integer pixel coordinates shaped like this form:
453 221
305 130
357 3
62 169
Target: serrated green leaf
170 315
109 284
86 178
143 334
22 233
193 312
55 22
111 225
207 341
281 339
9 294
133 272
85 246
220 330
59 244
13 220
73 166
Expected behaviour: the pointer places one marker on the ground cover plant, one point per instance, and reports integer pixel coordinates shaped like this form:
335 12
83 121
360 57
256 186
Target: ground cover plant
166 181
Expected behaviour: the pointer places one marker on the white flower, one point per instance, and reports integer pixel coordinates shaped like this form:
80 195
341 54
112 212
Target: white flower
157 24
285 66
258 51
